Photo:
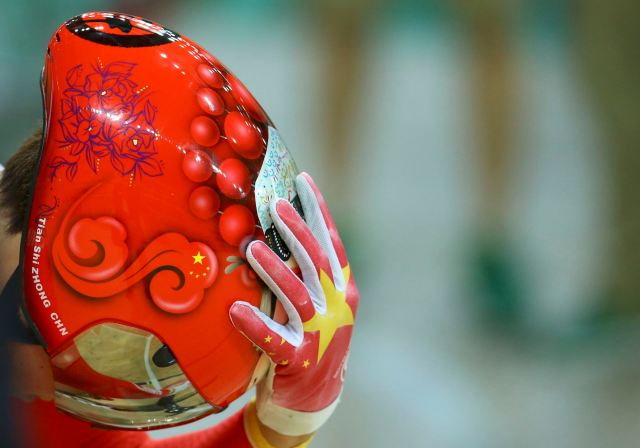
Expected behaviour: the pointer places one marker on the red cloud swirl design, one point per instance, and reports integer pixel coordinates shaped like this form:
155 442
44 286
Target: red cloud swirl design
91 257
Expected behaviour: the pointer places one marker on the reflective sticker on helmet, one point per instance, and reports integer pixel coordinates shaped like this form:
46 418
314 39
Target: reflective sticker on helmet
275 181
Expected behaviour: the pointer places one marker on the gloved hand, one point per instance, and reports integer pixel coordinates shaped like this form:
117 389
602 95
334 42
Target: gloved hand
308 354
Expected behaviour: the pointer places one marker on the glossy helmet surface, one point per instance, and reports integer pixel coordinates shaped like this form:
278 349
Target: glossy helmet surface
156 170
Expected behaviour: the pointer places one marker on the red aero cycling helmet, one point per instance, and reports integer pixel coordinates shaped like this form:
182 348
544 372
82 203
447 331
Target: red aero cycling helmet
156 169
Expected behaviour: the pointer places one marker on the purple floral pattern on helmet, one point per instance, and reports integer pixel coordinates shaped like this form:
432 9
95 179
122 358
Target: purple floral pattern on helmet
105 115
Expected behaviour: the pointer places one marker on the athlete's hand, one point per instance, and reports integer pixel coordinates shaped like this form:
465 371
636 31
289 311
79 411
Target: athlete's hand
309 354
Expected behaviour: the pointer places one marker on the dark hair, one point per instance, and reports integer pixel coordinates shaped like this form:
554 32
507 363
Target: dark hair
15 182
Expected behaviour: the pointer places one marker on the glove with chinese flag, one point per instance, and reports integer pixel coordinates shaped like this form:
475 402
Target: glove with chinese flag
309 354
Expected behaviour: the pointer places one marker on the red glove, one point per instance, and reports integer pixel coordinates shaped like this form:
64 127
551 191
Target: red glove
309 354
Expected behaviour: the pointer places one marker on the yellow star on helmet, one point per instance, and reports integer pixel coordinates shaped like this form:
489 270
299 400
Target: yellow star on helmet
197 259
339 314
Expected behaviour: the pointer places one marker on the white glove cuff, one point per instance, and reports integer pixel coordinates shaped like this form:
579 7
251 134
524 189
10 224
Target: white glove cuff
290 422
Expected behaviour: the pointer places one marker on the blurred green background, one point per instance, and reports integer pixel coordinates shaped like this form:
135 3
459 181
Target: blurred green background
481 159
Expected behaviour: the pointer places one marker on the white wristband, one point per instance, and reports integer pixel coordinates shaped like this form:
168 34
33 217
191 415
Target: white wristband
287 421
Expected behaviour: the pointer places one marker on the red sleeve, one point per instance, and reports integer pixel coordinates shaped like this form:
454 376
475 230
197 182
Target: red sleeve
229 433
43 426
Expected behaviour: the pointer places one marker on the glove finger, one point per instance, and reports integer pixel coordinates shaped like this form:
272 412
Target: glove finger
321 223
304 246
269 336
283 282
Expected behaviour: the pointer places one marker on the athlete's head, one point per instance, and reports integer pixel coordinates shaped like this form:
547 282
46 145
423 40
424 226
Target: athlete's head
156 168
30 365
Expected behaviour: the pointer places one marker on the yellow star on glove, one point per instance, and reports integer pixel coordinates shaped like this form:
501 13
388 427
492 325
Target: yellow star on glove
339 314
